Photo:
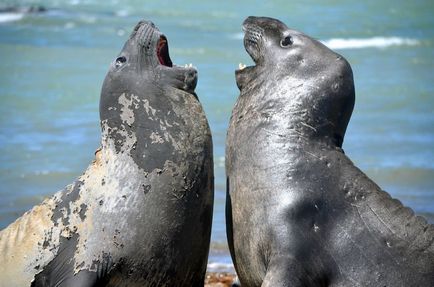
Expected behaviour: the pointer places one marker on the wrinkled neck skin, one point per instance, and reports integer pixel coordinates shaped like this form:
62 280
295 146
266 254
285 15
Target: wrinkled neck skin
284 110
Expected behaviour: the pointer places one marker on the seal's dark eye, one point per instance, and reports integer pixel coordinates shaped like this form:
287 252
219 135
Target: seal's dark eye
286 41
120 61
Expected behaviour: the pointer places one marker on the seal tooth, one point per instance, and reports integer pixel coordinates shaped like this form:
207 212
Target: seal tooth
241 66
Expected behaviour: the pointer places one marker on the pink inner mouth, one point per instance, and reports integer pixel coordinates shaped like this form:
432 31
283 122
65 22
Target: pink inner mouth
163 52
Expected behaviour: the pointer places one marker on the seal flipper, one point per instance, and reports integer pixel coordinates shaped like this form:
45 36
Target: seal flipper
60 271
229 226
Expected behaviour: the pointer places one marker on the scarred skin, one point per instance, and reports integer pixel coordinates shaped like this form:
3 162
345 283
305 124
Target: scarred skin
298 212
141 213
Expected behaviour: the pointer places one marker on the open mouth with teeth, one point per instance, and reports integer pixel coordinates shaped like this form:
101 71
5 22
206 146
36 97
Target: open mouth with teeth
163 52
246 73
241 66
251 46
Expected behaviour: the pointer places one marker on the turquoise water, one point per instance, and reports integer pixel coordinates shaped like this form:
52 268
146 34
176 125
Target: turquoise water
53 64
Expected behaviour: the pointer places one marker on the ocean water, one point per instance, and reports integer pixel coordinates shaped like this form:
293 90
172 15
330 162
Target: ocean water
54 61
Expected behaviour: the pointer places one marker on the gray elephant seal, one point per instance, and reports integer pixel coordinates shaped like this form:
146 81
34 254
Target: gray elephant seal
299 213
141 213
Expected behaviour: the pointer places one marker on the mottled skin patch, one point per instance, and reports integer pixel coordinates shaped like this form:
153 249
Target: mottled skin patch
299 213
27 244
141 213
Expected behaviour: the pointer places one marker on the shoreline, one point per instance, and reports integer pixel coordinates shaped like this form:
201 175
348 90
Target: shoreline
220 279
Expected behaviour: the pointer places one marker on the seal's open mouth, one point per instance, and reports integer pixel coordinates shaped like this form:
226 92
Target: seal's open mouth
252 36
163 52
155 48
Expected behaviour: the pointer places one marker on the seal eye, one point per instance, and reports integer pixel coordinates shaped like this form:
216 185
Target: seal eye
286 42
120 61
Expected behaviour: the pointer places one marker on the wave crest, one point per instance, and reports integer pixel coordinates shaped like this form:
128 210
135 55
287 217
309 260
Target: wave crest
374 42
9 17
220 267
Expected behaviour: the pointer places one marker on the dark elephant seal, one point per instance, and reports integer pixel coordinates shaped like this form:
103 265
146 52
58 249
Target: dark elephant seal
299 213
141 213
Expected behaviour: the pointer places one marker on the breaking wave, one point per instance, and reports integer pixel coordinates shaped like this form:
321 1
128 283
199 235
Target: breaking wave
220 267
9 17
374 42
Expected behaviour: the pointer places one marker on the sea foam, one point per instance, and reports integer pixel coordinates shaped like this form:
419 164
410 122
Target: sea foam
374 42
9 17
220 267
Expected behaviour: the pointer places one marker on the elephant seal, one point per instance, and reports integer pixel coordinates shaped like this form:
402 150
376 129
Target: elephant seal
141 213
298 212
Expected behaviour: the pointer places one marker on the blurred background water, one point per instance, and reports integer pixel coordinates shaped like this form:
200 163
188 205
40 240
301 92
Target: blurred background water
56 54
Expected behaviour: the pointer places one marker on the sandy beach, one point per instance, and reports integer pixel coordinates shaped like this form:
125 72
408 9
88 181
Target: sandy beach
219 279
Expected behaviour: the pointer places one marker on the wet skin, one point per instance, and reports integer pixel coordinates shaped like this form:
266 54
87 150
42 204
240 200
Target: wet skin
298 212
141 214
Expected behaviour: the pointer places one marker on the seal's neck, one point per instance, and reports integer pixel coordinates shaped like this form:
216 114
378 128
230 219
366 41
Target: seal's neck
285 107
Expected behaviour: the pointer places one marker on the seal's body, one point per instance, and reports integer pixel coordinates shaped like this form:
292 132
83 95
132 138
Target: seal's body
141 213
298 212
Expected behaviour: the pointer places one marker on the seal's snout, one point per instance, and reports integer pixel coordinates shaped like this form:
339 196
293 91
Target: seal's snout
253 40
143 34
250 20
253 37
253 34
144 31
144 23
252 31
264 22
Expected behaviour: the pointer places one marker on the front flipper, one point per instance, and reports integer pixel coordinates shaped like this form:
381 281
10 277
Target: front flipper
229 224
